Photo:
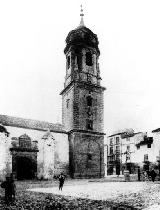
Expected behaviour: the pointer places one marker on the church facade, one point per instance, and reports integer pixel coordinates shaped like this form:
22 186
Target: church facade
34 149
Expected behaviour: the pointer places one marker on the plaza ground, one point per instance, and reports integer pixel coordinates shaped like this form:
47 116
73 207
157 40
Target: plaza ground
86 194
140 195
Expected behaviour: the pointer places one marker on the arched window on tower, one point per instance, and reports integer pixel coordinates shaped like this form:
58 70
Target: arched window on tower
68 62
89 101
89 59
89 156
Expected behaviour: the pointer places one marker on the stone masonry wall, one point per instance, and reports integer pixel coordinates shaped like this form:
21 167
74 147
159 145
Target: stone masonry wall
81 108
87 156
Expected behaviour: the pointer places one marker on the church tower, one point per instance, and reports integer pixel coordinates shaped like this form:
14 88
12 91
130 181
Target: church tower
82 103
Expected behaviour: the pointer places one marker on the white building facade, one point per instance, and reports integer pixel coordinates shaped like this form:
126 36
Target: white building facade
129 150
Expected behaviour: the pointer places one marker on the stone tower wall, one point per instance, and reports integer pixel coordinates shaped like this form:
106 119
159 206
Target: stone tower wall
67 108
80 108
84 119
86 155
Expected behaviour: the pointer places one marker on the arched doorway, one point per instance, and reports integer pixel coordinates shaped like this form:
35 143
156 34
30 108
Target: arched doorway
25 168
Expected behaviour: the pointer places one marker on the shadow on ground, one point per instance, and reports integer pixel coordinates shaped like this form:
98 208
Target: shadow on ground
41 201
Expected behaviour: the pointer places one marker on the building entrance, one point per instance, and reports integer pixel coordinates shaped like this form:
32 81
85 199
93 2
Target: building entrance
26 168
24 158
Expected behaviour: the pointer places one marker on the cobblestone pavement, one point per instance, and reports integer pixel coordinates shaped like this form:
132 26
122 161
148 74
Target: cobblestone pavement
141 195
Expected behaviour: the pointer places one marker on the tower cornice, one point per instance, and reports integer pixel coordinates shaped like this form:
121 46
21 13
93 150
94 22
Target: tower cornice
83 84
86 132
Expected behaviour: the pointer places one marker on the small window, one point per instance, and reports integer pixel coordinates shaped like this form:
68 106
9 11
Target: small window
111 141
89 59
145 157
117 140
128 148
117 157
89 111
68 62
117 149
89 156
89 124
67 103
138 147
89 101
148 145
111 150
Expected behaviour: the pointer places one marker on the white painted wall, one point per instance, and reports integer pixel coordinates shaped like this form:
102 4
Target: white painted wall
53 155
5 156
152 152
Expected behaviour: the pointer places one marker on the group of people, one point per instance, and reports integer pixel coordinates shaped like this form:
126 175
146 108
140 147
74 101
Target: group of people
147 175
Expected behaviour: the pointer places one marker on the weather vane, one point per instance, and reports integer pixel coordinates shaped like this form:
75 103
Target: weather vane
82 14
81 11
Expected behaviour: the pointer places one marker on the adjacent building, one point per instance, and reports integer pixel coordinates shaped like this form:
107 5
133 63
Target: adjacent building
128 150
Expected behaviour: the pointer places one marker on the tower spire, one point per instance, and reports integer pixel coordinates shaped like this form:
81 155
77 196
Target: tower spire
81 14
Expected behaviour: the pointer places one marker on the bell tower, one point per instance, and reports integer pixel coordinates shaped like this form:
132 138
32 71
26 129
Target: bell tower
82 103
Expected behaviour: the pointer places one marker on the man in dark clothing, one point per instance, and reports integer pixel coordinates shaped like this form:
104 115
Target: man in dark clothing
13 189
153 175
139 174
9 187
61 181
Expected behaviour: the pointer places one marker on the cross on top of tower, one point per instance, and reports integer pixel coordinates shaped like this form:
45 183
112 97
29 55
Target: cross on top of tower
81 14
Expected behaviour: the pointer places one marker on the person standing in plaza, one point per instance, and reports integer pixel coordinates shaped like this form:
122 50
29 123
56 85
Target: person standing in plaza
139 174
10 189
61 181
153 175
13 189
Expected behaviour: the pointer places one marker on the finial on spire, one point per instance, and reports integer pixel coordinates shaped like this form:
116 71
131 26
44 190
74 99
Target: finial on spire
81 14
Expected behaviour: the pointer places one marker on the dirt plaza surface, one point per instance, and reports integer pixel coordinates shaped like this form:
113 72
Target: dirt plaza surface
101 194
140 195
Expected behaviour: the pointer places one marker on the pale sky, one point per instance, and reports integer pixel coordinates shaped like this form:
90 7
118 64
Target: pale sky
32 62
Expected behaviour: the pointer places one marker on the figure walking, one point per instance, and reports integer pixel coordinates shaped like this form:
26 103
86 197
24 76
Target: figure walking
61 181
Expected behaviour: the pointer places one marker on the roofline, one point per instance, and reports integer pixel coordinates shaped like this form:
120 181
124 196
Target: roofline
122 133
116 134
7 123
38 129
156 130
